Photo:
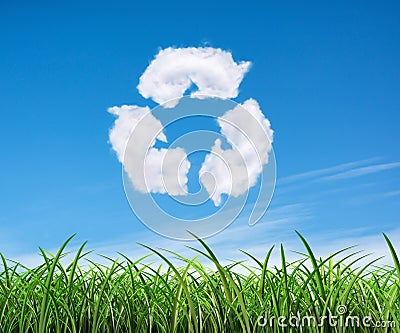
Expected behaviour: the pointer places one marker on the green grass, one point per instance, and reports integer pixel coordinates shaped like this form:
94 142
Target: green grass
132 296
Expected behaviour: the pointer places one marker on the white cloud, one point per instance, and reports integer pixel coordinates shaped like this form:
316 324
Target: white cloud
174 70
128 117
250 135
149 169
344 167
362 171
165 171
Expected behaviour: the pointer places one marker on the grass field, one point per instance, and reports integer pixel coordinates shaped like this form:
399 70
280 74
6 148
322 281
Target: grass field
336 294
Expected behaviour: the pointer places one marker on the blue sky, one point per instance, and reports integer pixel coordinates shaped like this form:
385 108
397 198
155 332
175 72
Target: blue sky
326 76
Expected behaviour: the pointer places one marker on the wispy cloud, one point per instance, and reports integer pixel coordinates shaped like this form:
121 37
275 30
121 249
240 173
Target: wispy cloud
367 241
391 194
289 212
255 240
277 226
362 171
342 171
326 171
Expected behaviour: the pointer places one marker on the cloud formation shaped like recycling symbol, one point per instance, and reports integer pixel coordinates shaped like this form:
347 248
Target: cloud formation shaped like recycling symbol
168 77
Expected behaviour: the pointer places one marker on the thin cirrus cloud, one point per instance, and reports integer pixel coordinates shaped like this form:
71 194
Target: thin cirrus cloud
320 173
172 72
361 171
